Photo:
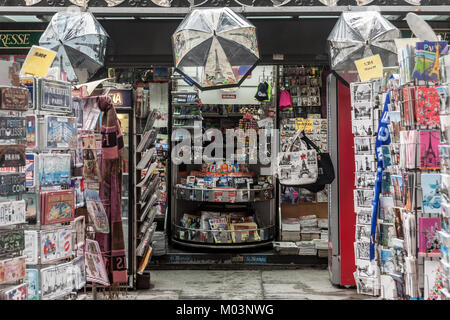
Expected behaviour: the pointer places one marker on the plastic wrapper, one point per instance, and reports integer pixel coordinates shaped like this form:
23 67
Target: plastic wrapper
357 35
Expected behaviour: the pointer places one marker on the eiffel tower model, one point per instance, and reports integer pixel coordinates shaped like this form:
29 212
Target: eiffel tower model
430 156
219 77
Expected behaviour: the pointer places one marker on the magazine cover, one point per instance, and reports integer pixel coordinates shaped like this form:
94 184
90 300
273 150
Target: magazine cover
54 170
95 266
31 131
31 246
431 192
12 184
30 207
61 133
432 280
219 225
14 269
429 245
428 106
18 292
96 210
12 128
32 281
78 232
429 141
244 232
11 241
12 212
30 167
57 206
78 273
55 244
91 171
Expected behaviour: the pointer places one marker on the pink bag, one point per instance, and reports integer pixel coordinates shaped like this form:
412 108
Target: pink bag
285 100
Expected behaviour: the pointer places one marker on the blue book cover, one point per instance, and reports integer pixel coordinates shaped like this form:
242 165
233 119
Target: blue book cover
431 192
387 261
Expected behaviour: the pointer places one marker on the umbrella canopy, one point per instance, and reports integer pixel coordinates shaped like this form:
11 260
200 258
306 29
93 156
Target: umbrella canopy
80 42
361 34
215 48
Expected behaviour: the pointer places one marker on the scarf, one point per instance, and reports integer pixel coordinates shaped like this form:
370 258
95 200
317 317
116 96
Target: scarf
112 244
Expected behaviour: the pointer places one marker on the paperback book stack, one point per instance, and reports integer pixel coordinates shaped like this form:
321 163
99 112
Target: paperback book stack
309 229
54 270
365 115
13 104
290 229
322 243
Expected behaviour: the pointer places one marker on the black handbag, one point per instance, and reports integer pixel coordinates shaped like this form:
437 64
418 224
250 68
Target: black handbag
325 166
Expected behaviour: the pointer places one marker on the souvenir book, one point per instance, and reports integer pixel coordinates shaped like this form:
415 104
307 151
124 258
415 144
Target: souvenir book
31 206
54 170
55 244
32 281
12 212
96 210
431 193
56 281
427 66
59 133
95 266
12 128
12 269
18 292
429 245
57 206
429 141
12 155
31 250
11 241
54 96
31 131
386 261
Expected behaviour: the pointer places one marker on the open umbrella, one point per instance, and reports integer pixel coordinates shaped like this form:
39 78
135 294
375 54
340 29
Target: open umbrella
215 48
80 42
361 34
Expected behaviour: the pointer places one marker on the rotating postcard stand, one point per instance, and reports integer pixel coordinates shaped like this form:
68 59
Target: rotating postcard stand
218 205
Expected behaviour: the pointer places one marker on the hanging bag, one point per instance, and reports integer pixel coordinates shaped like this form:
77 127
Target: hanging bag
325 168
297 168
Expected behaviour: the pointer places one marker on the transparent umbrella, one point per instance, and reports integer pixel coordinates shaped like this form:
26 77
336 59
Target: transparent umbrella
361 34
80 42
215 48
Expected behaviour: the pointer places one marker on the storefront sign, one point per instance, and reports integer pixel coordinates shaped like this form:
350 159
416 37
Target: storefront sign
11 241
228 96
12 155
12 128
444 33
12 183
19 39
13 98
370 68
121 98
56 96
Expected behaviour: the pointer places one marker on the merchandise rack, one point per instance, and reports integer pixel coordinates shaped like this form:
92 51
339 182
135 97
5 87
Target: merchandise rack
263 206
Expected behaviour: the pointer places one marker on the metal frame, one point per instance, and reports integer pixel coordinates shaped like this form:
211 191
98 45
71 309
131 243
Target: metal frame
245 10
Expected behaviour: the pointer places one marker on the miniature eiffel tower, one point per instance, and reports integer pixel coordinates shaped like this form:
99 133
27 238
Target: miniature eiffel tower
218 72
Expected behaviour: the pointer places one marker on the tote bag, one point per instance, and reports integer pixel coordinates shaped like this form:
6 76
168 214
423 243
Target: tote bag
325 167
297 168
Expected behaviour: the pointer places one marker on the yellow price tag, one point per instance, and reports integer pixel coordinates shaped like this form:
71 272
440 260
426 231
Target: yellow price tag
369 68
303 124
38 61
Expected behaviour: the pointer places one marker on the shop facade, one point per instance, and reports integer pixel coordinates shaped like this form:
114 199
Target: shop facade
291 38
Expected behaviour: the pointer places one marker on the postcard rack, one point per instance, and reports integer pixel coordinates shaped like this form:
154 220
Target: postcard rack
212 206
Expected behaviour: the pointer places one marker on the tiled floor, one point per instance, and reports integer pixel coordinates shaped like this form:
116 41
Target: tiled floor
303 284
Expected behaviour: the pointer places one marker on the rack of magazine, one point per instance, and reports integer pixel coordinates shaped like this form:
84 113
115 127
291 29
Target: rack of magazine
411 239
151 103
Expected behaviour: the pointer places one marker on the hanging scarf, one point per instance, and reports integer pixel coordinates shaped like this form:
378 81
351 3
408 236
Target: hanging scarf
112 244
383 138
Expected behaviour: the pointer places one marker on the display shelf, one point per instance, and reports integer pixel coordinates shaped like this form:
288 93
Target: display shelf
227 195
